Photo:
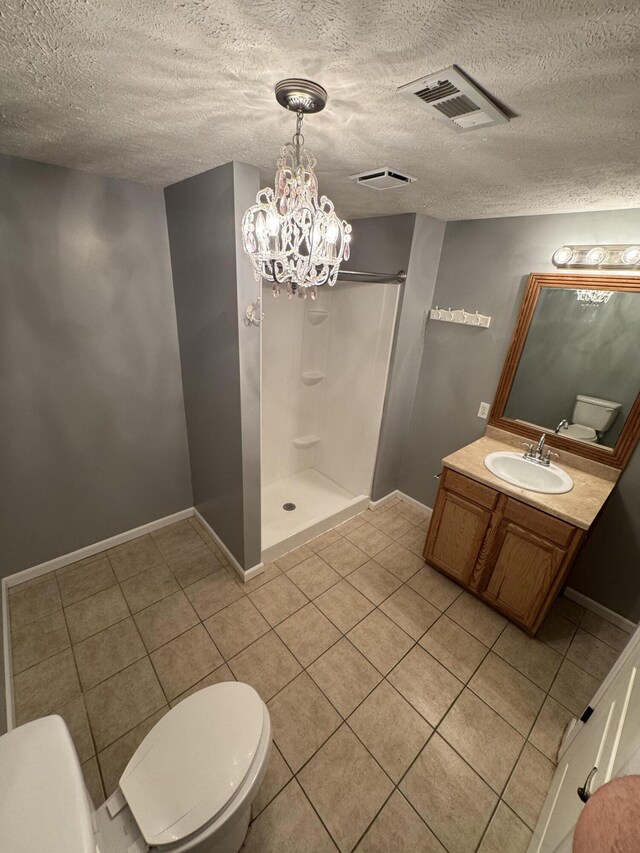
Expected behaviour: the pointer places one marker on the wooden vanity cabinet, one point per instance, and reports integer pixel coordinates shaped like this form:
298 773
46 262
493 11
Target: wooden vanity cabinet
513 556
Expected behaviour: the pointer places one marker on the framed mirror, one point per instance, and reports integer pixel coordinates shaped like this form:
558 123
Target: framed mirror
573 367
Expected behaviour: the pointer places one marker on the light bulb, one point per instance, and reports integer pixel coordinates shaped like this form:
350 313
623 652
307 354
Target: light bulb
596 256
631 256
261 228
562 256
332 231
273 222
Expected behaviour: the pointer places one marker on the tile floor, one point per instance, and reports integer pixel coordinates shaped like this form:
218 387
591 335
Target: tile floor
407 715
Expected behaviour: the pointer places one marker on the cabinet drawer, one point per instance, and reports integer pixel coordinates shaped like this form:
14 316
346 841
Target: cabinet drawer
539 522
476 492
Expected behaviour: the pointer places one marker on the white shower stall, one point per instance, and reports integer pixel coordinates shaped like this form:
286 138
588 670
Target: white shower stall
324 374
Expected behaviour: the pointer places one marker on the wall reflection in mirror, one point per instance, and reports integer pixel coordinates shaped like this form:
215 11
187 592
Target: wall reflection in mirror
579 372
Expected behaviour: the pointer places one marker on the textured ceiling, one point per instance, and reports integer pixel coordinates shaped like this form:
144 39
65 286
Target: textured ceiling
155 91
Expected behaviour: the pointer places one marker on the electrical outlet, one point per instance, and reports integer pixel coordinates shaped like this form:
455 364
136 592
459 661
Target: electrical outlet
483 411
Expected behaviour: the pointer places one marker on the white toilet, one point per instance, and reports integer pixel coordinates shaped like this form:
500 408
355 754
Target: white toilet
187 789
591 418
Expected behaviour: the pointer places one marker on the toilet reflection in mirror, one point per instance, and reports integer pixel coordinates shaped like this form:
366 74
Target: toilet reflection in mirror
570 377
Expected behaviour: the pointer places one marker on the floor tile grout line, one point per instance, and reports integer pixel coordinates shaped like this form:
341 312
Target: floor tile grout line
363 700
215 552
375 817
395 786
344 721
506 785
109 745
148 654
383 676
94 742
435 729
47 657
304 669
319 816
104 627
273 628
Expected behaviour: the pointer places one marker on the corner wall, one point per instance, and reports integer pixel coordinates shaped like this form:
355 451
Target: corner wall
484 266
219 354
411 242
416 299
92 432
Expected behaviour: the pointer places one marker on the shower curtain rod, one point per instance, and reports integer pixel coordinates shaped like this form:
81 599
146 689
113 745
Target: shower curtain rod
378 277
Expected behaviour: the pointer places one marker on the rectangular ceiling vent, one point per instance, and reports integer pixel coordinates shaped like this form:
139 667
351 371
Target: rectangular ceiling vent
452 97
382 179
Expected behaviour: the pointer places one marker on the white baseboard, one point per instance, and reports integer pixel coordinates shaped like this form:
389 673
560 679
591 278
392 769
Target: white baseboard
96 548
81 554
413 502
376 504
600 610
6 656
406 498
244 574
59 563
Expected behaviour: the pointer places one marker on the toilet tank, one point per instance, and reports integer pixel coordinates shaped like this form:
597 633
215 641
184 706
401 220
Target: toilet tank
44 804
594 412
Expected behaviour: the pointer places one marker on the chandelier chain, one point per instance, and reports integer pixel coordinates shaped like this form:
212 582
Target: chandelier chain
298 137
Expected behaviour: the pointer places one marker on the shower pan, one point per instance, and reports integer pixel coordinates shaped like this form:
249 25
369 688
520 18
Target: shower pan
324 374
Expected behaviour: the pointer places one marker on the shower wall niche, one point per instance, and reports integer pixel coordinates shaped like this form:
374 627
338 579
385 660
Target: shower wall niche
324 374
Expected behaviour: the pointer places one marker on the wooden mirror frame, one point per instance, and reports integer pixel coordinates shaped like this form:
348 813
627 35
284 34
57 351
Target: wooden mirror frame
615 457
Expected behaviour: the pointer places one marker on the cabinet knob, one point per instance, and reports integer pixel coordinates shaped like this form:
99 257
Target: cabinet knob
437 476
584 793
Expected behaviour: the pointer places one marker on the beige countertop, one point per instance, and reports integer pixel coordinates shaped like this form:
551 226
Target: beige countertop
580 506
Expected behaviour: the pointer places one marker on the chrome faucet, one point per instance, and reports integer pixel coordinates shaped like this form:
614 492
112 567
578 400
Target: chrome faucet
538 455
564 424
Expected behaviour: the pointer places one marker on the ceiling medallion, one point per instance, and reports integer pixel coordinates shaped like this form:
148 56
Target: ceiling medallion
292 237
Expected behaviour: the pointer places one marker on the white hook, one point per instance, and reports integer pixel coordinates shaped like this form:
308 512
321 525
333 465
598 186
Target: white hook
253 315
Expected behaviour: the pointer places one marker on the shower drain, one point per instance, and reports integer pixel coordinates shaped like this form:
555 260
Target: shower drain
288 507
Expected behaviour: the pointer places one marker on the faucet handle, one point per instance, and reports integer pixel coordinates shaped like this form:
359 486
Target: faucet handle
529 448
549 455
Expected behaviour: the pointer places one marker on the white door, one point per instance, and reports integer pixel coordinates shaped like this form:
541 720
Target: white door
604 747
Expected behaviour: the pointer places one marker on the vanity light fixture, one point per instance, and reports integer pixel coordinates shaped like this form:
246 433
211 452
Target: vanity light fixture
563 256
631 256
596 256
615 256
292 237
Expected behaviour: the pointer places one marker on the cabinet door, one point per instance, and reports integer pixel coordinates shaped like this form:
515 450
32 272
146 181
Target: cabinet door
524 569
456 533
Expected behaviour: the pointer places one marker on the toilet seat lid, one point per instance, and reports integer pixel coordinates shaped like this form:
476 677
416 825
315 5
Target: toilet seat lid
192 763
579 432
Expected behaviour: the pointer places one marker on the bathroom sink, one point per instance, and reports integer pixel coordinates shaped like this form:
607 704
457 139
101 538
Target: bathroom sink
526 474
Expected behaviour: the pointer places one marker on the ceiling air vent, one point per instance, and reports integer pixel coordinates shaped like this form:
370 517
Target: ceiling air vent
382 179
452 97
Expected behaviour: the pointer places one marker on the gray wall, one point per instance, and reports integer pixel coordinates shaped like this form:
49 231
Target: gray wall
388 244
220 361
3 699
246 185
92 433
484 266
574 348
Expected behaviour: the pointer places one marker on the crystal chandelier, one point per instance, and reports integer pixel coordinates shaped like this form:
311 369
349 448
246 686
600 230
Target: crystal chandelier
292 237
593 297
